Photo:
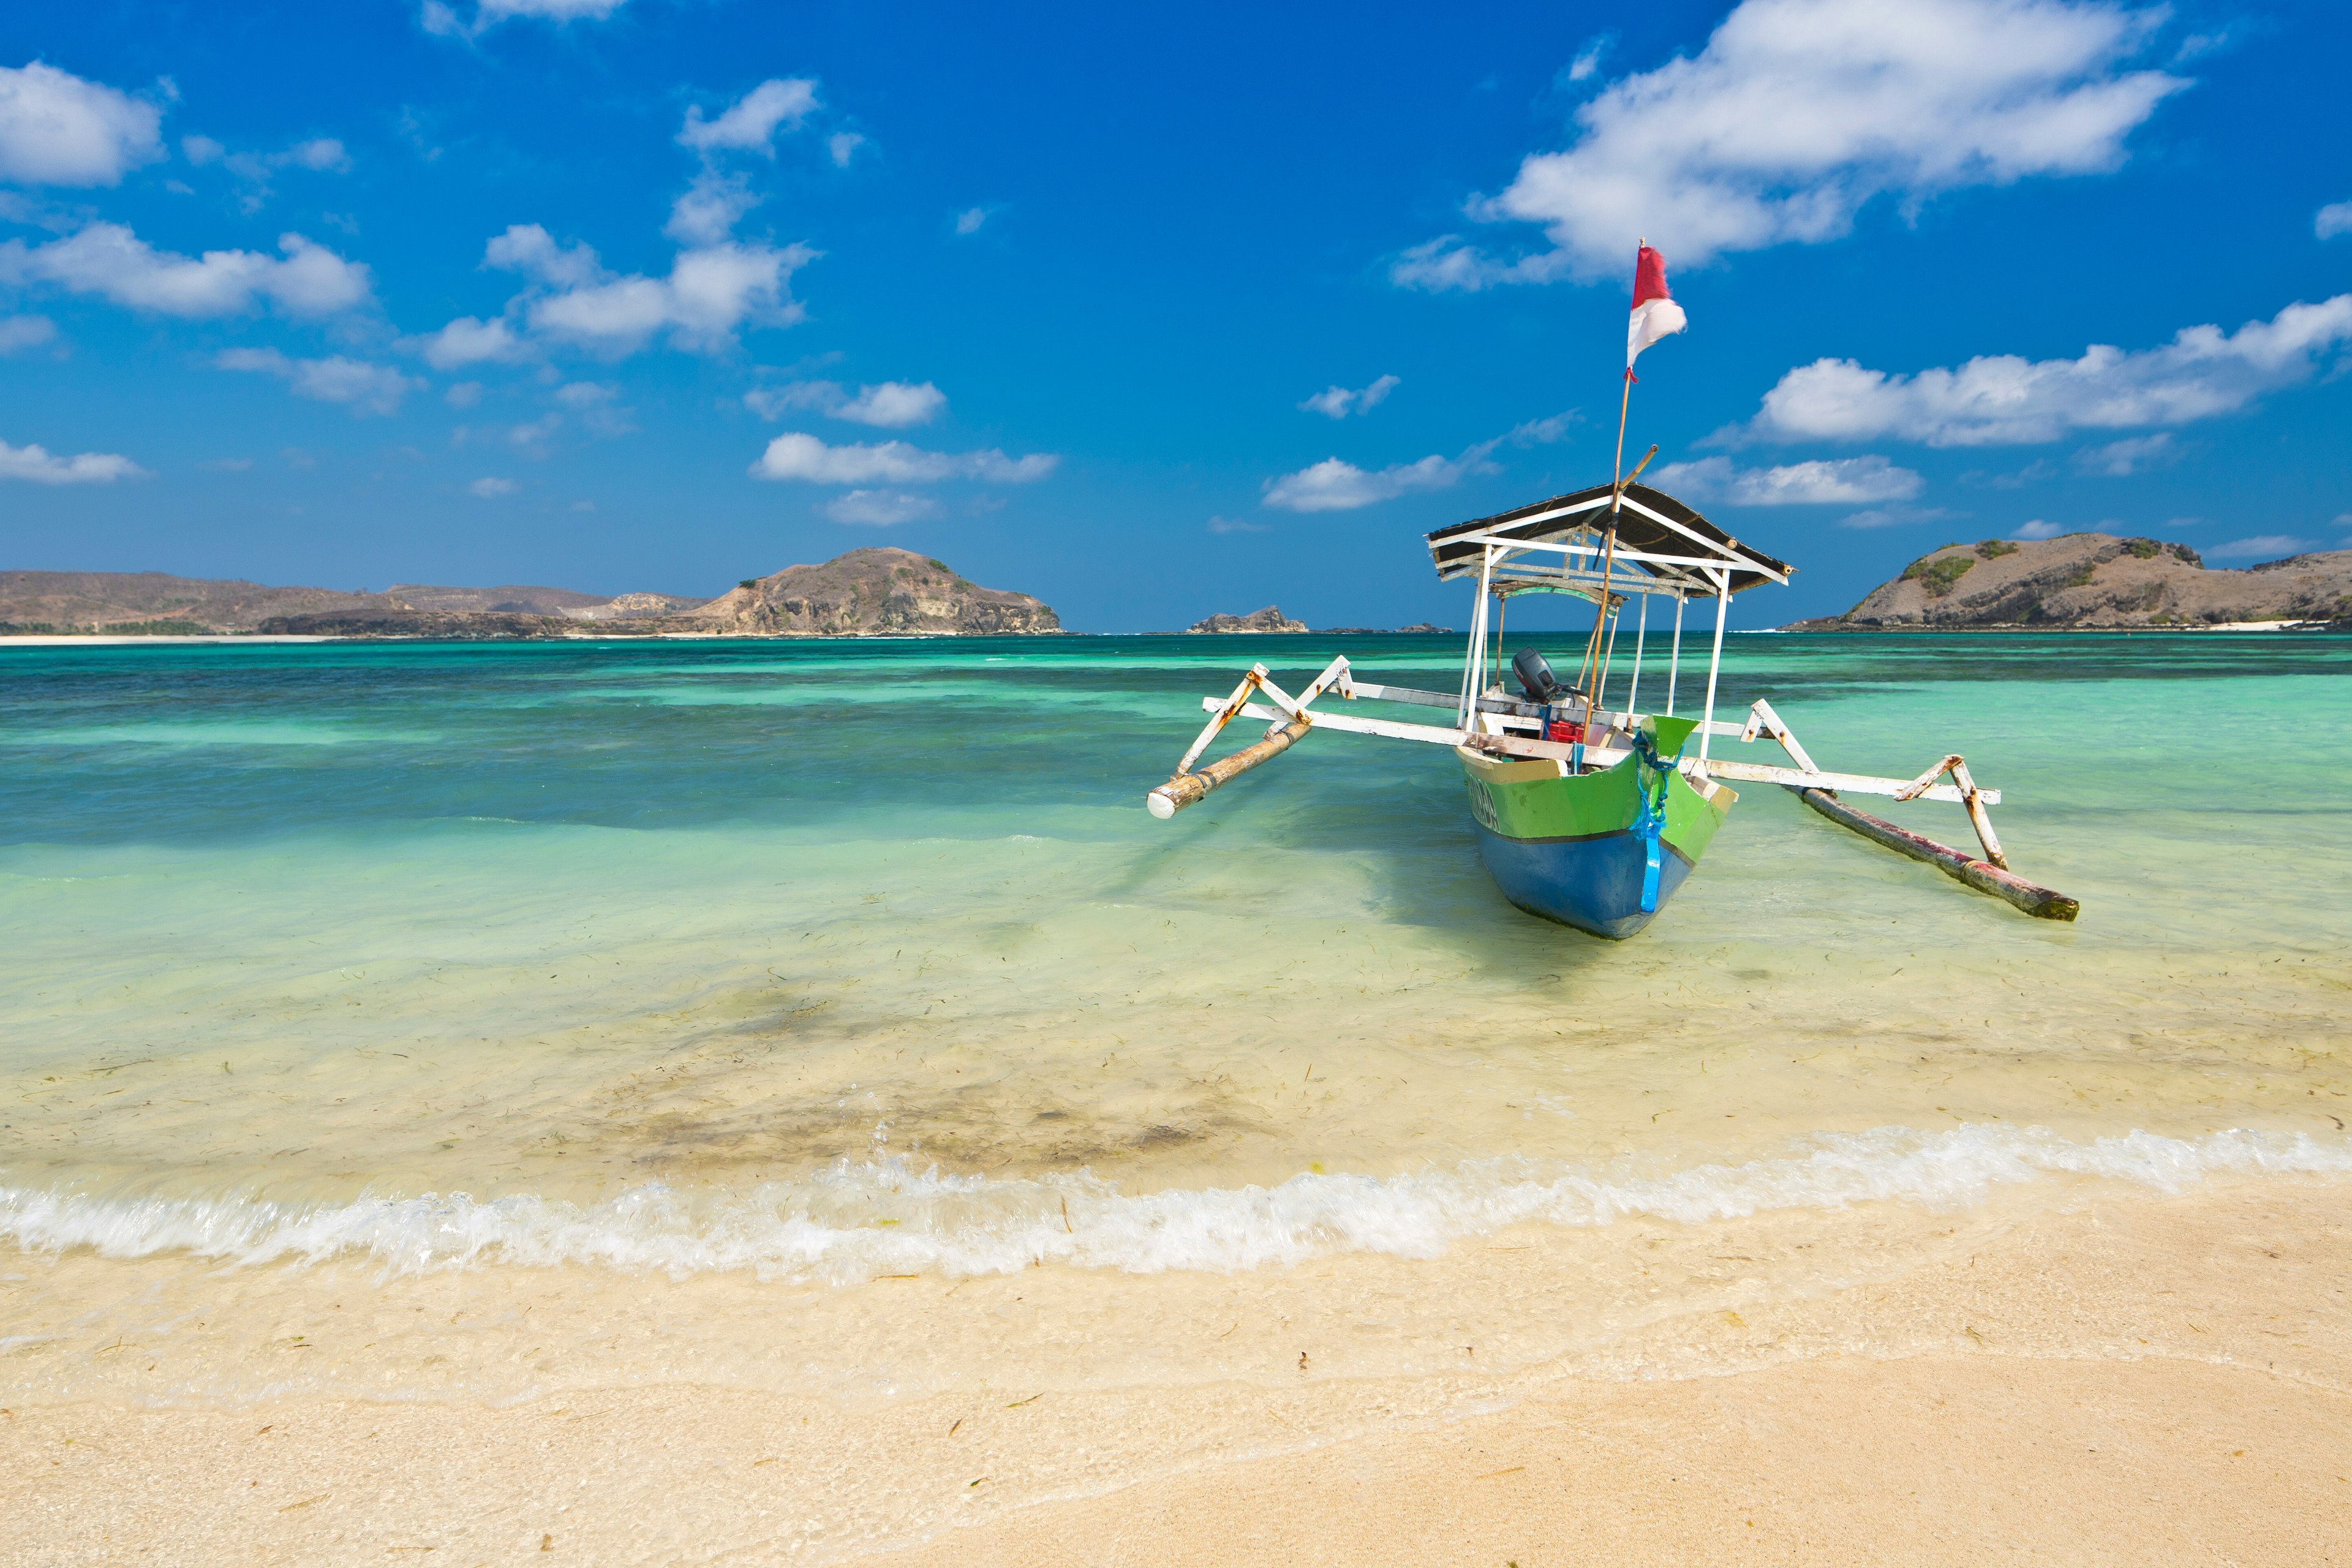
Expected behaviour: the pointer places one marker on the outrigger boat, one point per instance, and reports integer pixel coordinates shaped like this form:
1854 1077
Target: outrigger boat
1586 814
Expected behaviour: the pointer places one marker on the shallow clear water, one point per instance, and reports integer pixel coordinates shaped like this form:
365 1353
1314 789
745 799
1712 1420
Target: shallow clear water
808 963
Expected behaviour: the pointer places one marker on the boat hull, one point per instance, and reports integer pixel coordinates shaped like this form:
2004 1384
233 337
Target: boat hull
1566 848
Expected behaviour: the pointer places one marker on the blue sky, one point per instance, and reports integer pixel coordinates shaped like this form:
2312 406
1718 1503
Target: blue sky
1156 316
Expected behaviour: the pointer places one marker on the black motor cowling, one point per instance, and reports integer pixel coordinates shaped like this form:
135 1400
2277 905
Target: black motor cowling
1536 678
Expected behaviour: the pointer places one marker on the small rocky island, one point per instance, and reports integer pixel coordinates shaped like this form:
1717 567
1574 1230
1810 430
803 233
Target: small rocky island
2093 582
1270 619
875 592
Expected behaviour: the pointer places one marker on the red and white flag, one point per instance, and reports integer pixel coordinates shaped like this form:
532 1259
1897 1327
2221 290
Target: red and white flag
1656 314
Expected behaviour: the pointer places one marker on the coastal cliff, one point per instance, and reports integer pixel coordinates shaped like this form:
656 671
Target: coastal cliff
2092 582
879 591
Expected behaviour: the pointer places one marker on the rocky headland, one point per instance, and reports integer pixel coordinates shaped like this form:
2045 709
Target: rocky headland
2093 582
875 592
865 593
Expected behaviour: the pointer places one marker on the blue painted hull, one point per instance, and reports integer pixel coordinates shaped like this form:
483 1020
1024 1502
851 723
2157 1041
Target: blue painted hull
1593 884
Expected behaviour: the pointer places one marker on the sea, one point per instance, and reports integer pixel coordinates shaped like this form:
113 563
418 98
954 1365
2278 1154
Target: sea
414 1022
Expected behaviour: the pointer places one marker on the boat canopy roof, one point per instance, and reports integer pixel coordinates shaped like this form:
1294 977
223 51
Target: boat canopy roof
1663 547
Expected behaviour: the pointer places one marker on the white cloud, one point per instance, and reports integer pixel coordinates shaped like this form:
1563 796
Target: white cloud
1892 516
35 465
2038 528
1588 58
1544 432
465 394
1798 113
1335 486
108 260
894 405
775 402
711 292
2265 546
18 333
843 145
2334 219
322 154
969 220
749 124
891 405
807 458
200 150
1339 401
442 20
1844 481
469 341
2119 458
1236 525
491 487
585 394
880 509
2006 399
57 130
707 210
366 388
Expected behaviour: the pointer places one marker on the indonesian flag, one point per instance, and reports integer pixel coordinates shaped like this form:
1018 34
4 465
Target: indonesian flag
1656 314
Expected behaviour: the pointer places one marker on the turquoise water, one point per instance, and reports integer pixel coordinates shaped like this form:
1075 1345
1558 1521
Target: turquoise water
814 962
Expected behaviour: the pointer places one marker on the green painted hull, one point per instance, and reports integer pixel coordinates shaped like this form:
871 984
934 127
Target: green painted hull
1567 847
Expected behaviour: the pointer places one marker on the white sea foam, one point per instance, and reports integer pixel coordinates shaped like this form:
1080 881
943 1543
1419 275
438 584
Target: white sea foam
853 1222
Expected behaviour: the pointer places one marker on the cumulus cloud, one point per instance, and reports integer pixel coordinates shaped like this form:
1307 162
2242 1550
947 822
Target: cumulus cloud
443 21
366 388
749 123
842 146
2119 459
1797 113
2262 546
880 509
710 294
2334 219
470 340
1844 481
890 405
36 466
807 458
57 130
1332 485
491 487
2038 528
2006 399
969 220
707 210
18 333
111 261
1339 401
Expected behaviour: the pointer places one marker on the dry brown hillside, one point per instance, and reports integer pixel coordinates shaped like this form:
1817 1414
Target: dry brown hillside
875 591
132 602
2094 579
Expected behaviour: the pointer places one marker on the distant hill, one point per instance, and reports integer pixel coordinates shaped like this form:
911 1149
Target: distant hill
877 591
2091 580
1270 619
867 592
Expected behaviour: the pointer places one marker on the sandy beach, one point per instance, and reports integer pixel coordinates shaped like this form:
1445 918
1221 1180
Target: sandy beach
2136 1379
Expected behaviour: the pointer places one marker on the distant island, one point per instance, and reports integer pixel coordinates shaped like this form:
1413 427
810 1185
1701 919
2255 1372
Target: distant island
873 591
1272 620
2095 582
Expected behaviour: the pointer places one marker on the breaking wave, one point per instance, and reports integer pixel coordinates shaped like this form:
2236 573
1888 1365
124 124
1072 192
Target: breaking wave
851 1223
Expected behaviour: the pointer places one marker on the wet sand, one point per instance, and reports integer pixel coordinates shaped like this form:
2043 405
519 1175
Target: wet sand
2136 1379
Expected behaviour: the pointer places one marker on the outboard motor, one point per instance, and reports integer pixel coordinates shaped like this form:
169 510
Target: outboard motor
1536 678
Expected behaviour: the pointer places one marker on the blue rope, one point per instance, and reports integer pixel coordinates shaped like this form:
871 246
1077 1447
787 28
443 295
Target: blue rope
1649 822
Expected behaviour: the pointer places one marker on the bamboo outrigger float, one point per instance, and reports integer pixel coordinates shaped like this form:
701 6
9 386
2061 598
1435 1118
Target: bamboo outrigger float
1589 815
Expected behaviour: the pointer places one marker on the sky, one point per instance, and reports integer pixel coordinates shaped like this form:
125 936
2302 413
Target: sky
1154 315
